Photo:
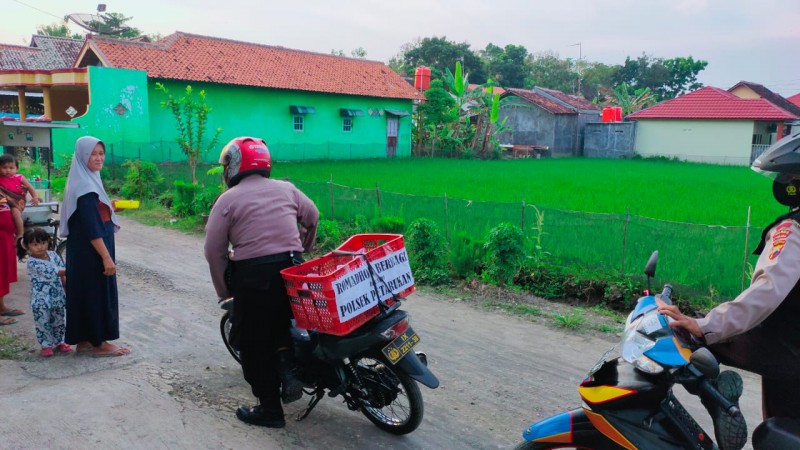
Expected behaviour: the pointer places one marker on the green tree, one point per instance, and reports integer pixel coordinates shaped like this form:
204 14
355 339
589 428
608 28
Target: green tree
631 100
115 25
57 30
438 53
597 81
191 118
509 65
434 117
665 78
548 71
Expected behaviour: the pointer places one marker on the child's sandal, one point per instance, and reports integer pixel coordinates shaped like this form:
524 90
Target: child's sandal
47 352
64 347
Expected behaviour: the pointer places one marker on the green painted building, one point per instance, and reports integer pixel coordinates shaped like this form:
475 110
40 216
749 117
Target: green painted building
305 105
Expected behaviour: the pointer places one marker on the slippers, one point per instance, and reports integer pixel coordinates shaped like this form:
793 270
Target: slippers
12 312
47 352
8 321
64 347
119 351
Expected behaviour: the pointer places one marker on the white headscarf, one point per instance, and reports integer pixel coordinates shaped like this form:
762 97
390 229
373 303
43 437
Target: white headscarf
82 181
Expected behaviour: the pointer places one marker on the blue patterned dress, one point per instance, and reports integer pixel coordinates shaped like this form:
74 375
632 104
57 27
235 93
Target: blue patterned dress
48 301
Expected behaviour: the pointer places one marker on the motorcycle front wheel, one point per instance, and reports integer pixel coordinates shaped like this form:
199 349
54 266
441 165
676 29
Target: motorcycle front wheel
225 330
394 402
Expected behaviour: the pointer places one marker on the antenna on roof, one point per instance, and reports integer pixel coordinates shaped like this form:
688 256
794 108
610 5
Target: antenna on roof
98 23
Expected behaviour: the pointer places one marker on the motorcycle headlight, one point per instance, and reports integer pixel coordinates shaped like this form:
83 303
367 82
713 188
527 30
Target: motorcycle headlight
634 344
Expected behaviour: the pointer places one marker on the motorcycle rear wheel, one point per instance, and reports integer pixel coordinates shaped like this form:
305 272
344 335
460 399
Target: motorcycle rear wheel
225 330
395 401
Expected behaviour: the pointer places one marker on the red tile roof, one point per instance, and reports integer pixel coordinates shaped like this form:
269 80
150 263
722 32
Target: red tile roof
539 100
713 103
794 99
189 57
772 97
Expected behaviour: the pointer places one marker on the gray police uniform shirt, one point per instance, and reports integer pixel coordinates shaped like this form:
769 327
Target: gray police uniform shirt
776 274
258 217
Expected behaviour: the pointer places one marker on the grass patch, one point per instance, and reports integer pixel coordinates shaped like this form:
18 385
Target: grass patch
605 328
10 346
572 320
616 316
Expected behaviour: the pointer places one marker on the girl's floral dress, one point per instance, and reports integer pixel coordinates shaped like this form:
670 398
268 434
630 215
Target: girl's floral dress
48 300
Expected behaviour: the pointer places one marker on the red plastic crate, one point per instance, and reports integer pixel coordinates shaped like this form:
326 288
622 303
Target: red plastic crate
313 286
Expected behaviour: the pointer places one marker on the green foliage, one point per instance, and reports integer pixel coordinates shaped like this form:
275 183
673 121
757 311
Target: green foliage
571 320
191 117
57 30
630 103
508 65
193 199
329 235
57 185
504 246
388 224
427 252
466 255
438 53
141 179
11 347
667 78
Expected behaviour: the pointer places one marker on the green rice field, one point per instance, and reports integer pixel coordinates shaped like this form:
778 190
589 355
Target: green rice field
596 213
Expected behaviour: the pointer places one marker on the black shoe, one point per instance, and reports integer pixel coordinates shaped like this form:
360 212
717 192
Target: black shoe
730 431
256 415
291 386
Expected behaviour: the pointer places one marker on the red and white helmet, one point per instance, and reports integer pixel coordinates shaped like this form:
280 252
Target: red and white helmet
244 156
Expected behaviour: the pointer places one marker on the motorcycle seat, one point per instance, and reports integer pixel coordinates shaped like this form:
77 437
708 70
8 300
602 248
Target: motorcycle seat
777 433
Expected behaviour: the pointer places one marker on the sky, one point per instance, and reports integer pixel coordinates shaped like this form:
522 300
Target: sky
751 40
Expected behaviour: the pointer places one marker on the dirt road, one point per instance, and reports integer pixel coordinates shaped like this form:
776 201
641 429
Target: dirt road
179 388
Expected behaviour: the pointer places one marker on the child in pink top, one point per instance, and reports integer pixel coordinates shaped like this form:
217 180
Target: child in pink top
14 187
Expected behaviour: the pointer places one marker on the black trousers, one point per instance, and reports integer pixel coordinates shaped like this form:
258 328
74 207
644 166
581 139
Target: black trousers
768 354
261 324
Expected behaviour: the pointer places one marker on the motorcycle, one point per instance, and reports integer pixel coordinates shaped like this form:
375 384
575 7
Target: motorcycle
628 400
373 368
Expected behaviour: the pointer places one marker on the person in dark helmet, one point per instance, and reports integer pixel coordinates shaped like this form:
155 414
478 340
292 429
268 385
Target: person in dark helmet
759 331
257 218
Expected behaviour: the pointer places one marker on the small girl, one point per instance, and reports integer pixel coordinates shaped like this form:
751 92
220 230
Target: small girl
48 300
13 187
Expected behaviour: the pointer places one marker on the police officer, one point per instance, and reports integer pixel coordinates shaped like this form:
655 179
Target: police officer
759 331
258 218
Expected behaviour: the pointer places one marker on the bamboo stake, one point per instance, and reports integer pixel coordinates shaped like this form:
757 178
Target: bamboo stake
746 245
446 219
333 214
378 194
522 216
625 238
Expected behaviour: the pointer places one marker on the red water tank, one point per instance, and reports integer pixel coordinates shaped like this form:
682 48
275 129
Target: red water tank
422 78
617 114
607 115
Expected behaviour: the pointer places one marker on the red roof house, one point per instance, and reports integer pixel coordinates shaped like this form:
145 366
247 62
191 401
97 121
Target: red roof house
710 125
794 99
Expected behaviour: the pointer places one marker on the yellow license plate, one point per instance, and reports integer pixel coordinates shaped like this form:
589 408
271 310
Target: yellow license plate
400 346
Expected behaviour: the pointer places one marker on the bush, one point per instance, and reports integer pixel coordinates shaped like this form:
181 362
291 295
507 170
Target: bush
388 224
466 255
505 251
329 235
183 202
427 252
141 179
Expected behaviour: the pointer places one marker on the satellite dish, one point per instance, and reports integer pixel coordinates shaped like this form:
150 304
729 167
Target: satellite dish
98 23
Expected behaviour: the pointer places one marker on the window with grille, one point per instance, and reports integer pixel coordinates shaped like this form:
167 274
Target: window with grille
347 124
298 123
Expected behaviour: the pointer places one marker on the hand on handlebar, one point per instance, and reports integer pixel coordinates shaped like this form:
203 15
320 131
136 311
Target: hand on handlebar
679 320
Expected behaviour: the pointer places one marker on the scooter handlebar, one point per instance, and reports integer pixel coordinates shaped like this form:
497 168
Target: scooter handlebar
729 407
666 293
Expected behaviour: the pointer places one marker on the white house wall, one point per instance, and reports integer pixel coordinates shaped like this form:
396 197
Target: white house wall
710 141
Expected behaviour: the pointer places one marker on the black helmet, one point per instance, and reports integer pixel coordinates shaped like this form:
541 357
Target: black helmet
781 158
781 162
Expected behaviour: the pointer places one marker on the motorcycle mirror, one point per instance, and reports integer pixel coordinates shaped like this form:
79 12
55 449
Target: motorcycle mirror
650 268
705 362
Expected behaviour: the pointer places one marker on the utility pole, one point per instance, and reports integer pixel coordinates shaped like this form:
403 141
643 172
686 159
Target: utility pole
578 65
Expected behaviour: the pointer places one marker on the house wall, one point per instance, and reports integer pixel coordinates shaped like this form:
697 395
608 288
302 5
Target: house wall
108 88
745 92
527 124
609 140
711 141
566 134
248 111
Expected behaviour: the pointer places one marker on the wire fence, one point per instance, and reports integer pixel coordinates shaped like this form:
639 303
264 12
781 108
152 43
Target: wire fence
170 151
711 259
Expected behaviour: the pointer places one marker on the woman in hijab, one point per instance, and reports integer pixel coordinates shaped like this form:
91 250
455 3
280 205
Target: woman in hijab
89 221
